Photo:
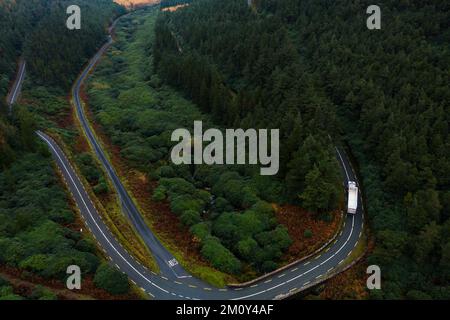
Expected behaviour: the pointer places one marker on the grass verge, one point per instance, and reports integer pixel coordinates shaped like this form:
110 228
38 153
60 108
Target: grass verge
114 219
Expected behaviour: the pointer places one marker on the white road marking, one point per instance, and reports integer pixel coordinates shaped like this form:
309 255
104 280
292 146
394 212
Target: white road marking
95 222
18 84
112 246
343 163
306 272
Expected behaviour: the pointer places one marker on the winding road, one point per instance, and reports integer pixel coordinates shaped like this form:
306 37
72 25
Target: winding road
17 85
173 282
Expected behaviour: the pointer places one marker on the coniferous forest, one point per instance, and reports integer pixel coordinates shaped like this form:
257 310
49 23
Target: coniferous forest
38 225
313 69
310 68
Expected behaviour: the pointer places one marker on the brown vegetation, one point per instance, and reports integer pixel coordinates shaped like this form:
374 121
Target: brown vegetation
175 8
136 3
24 282
165 224
297 221
350 284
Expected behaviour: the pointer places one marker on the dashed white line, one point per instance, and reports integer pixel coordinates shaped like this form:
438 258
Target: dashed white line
93 219
306 272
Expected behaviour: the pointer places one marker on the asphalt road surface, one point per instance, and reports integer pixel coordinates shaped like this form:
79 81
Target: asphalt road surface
17 86
174 282
162 287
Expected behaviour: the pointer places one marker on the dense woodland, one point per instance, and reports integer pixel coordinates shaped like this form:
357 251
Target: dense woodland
226 208
36 229
308 67
313 69
37 235
36 30
253 79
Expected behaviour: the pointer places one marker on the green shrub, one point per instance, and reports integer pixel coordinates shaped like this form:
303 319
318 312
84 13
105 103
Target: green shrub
308 234
200 230
190 217
86 245
418 295
219 256
61 216
101 187
222 205
41 293
203 195
178 186
166 172
111 280
88 167
159 194
3 282
183 203
7 293
268 266
247 248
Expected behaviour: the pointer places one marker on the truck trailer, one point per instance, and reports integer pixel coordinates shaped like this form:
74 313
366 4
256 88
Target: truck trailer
352 197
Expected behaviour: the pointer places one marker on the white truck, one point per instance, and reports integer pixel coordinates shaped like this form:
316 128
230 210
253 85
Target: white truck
352 197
